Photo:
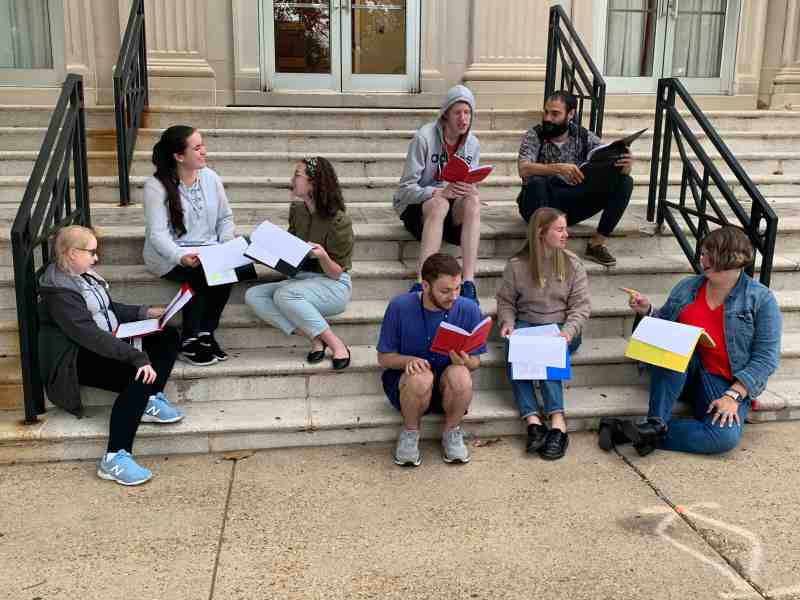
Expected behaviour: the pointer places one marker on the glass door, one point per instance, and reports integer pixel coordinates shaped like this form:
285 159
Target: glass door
644 40
340 45
31 42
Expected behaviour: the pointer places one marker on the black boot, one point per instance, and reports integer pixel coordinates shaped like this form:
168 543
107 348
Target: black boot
645 436
537 433
610 433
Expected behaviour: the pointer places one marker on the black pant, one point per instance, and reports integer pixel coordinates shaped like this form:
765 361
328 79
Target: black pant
108 374
579 202
204 310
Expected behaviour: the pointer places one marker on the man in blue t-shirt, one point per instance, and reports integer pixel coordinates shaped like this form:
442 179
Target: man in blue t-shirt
418 381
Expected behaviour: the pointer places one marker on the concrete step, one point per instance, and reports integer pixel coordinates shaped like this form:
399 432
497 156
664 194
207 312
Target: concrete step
105 190
221 426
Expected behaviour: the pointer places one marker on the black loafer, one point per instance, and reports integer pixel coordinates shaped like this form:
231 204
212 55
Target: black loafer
555 445
316 356
341 363
537 433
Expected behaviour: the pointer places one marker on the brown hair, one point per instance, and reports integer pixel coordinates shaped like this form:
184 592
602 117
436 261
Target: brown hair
173 141
326 192
439 264
728 248
72 236
533 250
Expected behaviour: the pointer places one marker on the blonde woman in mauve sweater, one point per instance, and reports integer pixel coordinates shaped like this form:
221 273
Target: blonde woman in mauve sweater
543 284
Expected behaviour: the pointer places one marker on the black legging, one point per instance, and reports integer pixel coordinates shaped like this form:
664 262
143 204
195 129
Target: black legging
579 202
108 374
204 310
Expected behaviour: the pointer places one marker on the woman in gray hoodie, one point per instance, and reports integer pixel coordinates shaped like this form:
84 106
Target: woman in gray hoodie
77 346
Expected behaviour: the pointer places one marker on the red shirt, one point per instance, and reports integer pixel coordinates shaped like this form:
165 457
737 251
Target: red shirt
450 150
699 314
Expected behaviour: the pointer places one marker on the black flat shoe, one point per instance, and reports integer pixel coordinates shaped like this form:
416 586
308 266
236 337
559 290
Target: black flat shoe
316 356
341 363
555 445
537 433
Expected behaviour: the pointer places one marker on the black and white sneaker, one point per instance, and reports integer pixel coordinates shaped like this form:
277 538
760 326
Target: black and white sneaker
195 353
207 340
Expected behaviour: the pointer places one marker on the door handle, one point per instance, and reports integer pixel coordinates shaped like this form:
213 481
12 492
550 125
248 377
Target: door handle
346 5
673 9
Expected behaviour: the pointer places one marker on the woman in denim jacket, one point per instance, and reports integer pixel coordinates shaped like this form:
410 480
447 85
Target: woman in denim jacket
743 318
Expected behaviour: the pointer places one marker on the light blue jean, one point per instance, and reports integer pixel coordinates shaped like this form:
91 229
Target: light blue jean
551 390
301 302
700 388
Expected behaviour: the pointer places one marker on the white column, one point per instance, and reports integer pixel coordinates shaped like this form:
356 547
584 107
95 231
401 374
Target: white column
751 45
80 50
434 47
786 86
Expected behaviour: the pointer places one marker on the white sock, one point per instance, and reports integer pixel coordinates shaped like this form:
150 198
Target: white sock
110 456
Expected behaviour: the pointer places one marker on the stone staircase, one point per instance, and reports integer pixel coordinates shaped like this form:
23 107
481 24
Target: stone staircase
266 395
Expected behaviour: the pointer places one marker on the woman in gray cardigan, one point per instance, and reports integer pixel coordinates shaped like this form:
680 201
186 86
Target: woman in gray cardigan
77 346
185 206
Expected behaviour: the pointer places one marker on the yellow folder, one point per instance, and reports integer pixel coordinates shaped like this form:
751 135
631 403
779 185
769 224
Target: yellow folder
668 357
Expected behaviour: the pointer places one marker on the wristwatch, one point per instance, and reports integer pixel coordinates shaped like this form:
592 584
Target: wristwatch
733 394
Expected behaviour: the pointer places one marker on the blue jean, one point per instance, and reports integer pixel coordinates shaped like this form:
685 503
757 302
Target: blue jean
301 302
551 390
699 387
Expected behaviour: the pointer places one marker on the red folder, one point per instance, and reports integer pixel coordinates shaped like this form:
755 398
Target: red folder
450 337
457 170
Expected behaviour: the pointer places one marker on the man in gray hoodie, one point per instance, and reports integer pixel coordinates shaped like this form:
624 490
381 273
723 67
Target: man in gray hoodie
431 209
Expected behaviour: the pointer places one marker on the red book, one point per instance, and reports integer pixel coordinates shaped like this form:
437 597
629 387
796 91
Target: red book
450 337
457 170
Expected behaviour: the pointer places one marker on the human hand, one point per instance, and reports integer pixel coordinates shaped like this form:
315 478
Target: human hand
318 250
506 330
155 311
625 163
147 373
726 411
190 260
417 365
638 303
571 173
464 189
566 336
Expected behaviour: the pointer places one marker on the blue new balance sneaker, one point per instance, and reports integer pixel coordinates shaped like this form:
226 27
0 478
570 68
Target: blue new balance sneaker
122 469
160 411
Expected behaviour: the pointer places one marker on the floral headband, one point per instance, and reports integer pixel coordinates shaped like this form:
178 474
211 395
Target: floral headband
311 166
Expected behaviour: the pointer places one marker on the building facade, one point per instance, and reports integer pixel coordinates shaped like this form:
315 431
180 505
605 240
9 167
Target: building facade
735 54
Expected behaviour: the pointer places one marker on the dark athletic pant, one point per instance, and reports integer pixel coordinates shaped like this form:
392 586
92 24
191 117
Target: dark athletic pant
204 310
108 374
578 202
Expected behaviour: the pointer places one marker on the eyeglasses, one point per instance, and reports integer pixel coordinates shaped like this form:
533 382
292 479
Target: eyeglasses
92 251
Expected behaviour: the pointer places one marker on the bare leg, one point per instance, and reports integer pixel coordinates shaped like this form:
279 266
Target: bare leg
434 211
467 213
336 345
557 421
415 397
456 386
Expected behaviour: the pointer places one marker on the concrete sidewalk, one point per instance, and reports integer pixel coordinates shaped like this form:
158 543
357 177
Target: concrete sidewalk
344 522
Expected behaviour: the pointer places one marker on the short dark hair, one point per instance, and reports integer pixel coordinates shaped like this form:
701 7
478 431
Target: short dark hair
439 264
728 248
569 100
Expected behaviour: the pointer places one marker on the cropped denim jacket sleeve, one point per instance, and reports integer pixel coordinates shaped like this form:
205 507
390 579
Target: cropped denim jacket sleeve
753 325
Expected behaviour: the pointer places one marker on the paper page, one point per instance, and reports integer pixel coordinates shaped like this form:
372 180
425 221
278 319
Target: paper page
551 330
222 277
262 255
222 257
669 335
541 350
526 370
456 328
280 243
178 302
137 328
656 356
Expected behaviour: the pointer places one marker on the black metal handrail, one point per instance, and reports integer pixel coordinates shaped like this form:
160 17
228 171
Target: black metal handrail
46 206
130 94
761 224
568 62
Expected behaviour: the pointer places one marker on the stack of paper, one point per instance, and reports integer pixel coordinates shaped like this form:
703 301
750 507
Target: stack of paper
220 261
136 329
666 343
277 248
539 353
